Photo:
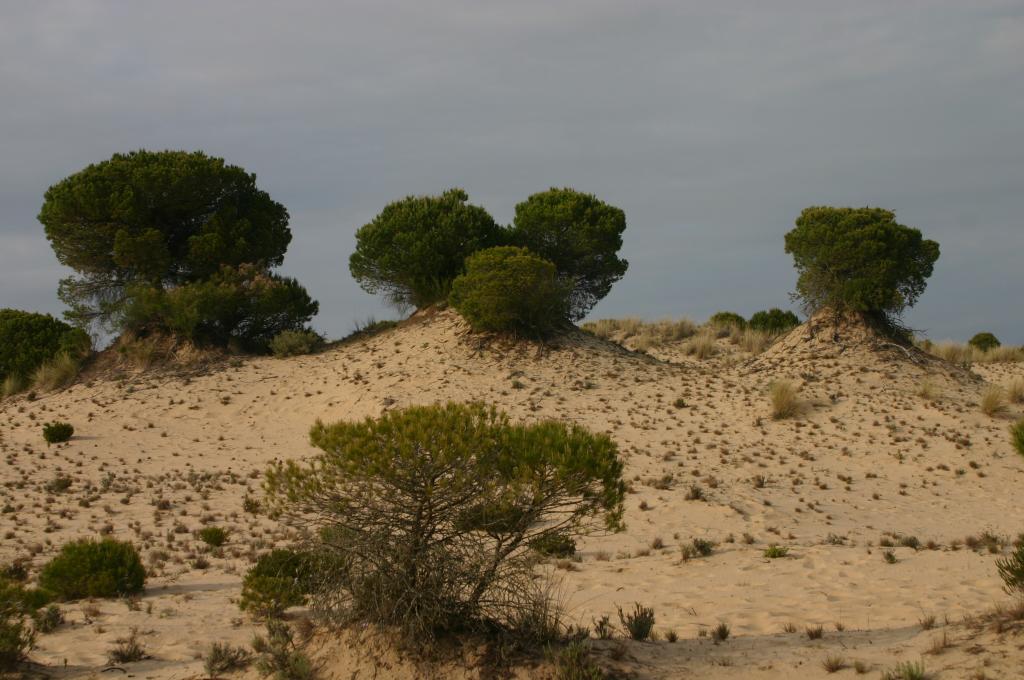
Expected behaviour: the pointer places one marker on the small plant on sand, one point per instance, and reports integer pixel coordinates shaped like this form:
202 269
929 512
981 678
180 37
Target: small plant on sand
57 432
290 343
214 537
784 400
638 623
928 390
1011 570
773 551
1017 436
87 568
127 649
575 661
815 632
993 401
224 658
833 663
279 656
721 632
1015 391
907 670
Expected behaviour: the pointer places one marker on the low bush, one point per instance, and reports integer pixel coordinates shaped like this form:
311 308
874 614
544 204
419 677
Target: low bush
373 497
1017 436
554 545
727 319
509 289
280 579
17 637
774 321
292 343
214 537
56 373
575 661
29 340
993 401
224 658
638 623
58 432
87 568
279 656
984 342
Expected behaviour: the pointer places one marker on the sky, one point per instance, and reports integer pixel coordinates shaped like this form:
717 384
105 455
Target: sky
712 124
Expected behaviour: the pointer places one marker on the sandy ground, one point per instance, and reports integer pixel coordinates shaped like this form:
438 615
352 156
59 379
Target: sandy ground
867 462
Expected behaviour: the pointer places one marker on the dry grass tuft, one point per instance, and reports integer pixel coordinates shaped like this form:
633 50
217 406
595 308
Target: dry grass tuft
12 385
928 390
993 401
784 400
1015 391
59 372
702 345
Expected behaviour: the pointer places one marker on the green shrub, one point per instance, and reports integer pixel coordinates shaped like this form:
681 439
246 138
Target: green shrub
1011 570
57 432
29 340
158 220
638 623
280 579
245 306
859 260
1017 436
48 619
727 320
581 235
483 489
223 658
87 568
293 343
554 545
413 250
774 321
17 636
507 289
214 537
280 656
984 342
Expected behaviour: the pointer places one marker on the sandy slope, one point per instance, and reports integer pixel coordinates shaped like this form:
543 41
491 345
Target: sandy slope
866 457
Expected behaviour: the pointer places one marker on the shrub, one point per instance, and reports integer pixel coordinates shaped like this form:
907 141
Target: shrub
28 341
413 250
784 400
554 545
1011 570
292 343
214 537
224 658
774 321
57 432
1015 391
575 662
127 649
280 579
1017 436
581 235
701 346
859 260
984 342
993 400
727 320
59 372
158 220
638 623
245 306
429 512
16 634
88 568
508 289
48 619
280 656
775 551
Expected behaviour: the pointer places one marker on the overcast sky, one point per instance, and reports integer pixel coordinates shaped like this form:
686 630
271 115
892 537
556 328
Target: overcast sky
712 124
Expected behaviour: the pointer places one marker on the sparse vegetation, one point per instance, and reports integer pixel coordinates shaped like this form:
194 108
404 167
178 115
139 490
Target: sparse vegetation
907 670
1017 436
58 432
214 537
993 401
638 623
224 658
784 400
127 649
773 552
279 656
290 343
87 568
1011 570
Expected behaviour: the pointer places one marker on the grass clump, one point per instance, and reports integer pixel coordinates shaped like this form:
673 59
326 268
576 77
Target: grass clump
784 401
638 623
56 373
279 656
774 552
1017 436
87 568
1011 570
214 537
290 343
127 649
702 345
993 401
58 432
575 662
833 663
908 670
224 658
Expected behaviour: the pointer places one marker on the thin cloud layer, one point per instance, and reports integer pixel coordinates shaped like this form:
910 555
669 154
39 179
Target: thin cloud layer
711 124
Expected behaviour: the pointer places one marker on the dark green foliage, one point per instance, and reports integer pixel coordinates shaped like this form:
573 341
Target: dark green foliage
859 260
159 220
1011 570
984 341
581 235
28 340
244 306
280 656
638 623
57 432
508 289
575 661
88 568
17 636
294 343
280 579
429 512
727 319
214 537
774 321
554 545
413 250
1017 436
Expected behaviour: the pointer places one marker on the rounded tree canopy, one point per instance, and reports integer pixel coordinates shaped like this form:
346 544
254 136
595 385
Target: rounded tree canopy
28 340
413 250
774 320
860 260
581 235
157 218
984 341
511 289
